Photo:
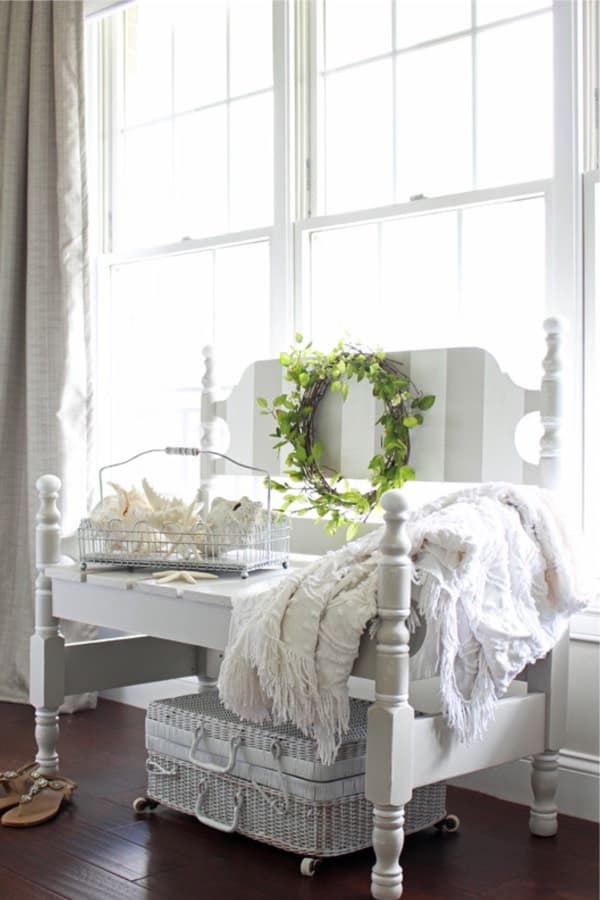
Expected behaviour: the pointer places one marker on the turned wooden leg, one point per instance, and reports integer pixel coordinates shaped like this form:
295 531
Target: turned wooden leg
388 783
46 737
47 656
388 840
543 819
208 663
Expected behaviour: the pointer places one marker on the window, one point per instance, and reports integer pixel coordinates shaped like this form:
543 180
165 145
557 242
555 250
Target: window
324 166
422 153
185 101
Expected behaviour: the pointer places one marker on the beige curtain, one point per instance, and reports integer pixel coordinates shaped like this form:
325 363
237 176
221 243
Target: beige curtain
45 397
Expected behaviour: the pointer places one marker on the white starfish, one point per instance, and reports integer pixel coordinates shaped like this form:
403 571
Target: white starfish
180 575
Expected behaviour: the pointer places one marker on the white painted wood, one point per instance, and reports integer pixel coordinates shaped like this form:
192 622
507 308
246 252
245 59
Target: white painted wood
543 818
467 436
47 644
209 425
551 404
115 662
517 730
389 773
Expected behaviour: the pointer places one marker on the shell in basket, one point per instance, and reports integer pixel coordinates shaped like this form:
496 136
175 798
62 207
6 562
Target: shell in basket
130 507
232 523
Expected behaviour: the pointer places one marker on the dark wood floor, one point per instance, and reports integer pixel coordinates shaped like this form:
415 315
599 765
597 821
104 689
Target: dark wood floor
97 847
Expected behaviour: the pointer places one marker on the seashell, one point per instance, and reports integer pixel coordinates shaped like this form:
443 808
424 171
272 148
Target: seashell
126 506
170 513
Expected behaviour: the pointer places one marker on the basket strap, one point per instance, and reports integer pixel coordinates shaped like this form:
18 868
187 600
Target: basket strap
278 806
214 823
234 744
155 768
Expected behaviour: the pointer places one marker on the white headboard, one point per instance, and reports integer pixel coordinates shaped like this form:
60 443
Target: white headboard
467 436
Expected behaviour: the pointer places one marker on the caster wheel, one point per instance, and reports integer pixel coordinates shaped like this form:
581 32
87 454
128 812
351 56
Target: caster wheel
308 866
450 824
141 804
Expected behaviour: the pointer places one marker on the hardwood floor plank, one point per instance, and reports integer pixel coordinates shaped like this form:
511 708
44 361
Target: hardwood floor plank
16 887
58 871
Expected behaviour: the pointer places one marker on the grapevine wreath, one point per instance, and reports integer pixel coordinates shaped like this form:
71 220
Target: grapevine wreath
312 374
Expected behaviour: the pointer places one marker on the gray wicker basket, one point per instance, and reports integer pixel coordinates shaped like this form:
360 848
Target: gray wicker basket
266 782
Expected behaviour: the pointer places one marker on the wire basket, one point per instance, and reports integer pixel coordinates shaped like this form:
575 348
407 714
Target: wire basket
237 549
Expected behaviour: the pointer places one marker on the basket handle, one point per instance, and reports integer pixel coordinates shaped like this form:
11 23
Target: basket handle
234 744
214 823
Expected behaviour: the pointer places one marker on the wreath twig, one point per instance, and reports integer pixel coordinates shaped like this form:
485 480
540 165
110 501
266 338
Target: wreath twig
314 373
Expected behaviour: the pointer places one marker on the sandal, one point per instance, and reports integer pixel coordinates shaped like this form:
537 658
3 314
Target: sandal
41 802
14 783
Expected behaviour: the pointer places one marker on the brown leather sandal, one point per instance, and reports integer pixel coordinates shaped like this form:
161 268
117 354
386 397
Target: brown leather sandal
14 783
41 802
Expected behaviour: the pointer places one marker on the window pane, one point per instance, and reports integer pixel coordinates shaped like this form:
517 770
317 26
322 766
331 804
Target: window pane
514 112
251 45
200 63
358 145
434 120
242 308
504 283
153 357
420 279
251 162
201 173
354 30
147 62
492 10
344 286
423 20
144 214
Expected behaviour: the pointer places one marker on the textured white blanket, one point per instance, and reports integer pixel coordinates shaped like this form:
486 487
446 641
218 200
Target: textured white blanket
495 572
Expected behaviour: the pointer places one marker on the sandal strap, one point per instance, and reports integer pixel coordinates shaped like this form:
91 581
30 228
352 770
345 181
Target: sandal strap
40 783
10 774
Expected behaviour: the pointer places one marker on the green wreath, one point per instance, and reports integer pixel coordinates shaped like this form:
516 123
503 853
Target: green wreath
314 373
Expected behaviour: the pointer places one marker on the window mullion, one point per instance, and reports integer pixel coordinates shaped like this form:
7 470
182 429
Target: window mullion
305 69
474 122
282 248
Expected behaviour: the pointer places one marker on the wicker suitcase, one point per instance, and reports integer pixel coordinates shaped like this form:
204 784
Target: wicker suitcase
266 781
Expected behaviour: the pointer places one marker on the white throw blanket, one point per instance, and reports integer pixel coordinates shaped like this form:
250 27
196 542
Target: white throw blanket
495 573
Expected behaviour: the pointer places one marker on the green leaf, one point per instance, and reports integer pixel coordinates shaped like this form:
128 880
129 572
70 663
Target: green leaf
317 450
300 453
410 421
344 390
299 338
407 473
425 402
352 531
262 402
335 386
284 359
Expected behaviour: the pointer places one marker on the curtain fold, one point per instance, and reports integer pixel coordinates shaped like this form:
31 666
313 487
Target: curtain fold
45 385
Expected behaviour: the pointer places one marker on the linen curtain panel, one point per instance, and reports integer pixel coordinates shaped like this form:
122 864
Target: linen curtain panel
45 396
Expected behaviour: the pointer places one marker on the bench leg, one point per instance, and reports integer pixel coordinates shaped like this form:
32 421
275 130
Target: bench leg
543 818
388 840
